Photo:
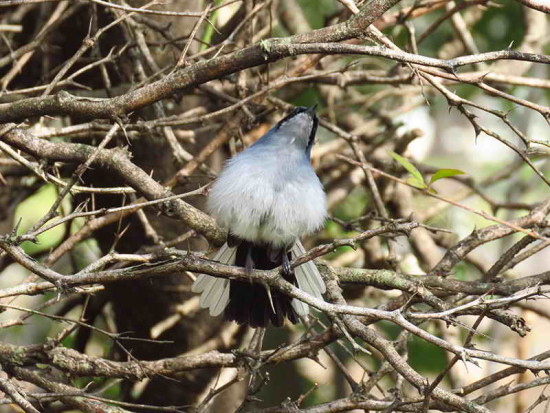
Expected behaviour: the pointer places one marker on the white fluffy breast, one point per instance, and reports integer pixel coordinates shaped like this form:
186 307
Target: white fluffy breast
268 194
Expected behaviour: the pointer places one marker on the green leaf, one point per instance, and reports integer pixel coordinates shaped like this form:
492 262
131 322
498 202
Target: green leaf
445 173
418 178
413 180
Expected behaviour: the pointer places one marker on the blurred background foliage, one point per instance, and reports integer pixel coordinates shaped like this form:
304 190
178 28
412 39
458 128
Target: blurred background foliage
30 210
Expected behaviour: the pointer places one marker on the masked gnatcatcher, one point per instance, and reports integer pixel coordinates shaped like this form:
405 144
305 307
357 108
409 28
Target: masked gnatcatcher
267 197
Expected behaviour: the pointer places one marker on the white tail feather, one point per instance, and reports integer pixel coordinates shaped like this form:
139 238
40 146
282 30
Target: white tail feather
218 308
309 279
215 291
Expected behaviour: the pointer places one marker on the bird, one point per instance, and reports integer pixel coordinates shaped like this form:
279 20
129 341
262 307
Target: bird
267 197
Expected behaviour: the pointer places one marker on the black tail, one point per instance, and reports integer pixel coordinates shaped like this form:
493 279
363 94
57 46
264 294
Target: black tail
249 302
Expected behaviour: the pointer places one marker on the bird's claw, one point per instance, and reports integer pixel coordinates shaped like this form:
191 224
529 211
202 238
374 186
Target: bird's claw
287 269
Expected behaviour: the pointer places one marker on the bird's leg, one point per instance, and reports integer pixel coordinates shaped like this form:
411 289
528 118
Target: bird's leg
249 263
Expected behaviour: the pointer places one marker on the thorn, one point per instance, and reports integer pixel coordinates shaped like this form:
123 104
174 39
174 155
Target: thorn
482 77
270 297
16 228
316 359
464 360
477 131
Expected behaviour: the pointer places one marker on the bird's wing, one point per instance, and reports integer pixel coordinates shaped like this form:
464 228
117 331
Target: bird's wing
309 279
215 291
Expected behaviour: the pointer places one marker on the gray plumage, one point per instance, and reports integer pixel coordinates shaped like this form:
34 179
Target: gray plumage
267 197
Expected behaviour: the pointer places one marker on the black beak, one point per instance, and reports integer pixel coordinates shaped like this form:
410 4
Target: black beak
311 110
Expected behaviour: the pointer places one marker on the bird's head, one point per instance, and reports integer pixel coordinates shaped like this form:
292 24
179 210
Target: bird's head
298 127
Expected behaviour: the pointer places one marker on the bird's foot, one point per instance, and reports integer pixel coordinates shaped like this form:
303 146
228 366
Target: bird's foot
287 269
